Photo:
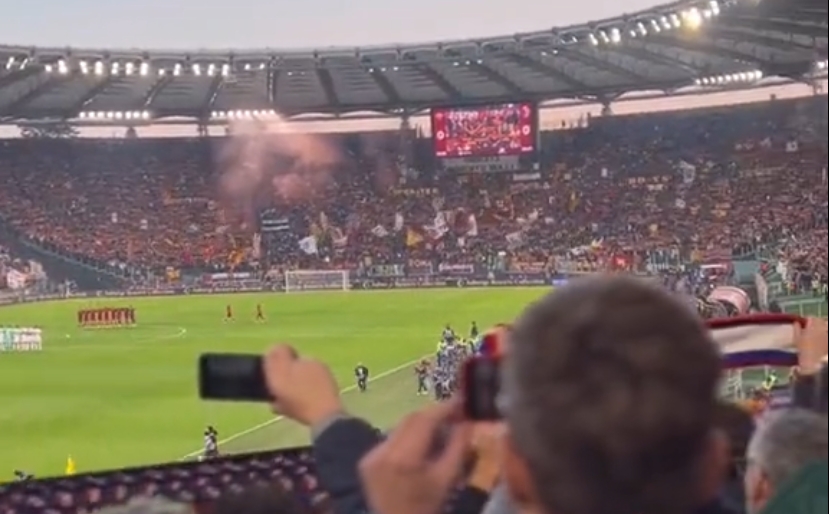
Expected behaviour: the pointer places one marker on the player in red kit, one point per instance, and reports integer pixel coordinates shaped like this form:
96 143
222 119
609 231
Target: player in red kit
260 314
228 313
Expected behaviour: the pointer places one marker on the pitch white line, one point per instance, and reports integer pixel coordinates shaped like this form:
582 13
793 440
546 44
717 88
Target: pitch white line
131 345
277 419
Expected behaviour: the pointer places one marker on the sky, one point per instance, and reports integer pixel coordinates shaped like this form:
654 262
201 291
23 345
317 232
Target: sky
278 24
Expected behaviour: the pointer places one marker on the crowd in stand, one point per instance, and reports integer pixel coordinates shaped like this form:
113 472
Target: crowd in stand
642 433
636 192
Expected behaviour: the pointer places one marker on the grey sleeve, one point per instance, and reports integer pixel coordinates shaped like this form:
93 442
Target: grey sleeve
499 502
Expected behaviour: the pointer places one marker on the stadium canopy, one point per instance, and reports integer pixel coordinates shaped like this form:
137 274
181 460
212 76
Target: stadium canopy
710 44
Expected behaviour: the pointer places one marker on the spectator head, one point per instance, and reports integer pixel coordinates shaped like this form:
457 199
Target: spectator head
609 398
783 444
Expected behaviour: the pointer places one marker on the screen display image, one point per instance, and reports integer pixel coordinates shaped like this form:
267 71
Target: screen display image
507 129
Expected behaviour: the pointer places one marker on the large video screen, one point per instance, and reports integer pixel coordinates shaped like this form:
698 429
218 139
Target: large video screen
494 130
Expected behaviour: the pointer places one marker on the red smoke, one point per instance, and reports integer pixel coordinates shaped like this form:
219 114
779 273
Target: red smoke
263 160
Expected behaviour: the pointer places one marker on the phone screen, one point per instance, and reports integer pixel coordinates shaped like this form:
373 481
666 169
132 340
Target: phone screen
481 386
232 377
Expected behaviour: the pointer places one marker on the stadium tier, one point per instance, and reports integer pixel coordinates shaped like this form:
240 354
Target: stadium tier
123 259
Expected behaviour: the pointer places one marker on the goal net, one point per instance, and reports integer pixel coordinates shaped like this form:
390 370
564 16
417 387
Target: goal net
316 280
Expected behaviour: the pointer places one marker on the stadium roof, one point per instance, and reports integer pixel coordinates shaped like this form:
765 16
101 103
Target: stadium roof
708 43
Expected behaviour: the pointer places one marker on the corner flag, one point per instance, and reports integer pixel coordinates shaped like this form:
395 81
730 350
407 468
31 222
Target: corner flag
70 466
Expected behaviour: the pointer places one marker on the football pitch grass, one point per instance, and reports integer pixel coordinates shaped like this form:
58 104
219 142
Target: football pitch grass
119 397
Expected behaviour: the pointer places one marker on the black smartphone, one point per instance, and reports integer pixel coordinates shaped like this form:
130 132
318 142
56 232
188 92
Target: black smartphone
232 377
481 384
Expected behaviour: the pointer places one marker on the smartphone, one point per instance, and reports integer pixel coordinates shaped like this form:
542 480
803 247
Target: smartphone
480 385
232 377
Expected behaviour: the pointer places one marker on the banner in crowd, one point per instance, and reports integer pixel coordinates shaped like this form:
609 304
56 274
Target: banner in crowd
271 221
15 279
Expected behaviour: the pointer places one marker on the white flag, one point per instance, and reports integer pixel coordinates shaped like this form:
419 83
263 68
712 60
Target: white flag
398 222
473 226
257 245
515 239
308 245
113 217
380 231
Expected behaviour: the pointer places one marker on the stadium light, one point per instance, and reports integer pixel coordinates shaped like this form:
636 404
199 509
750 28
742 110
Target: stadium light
692 18
743 77
244 114
10 63
144 69
99 68
114 115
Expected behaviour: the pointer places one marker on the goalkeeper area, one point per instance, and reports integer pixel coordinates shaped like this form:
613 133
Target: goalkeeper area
127 395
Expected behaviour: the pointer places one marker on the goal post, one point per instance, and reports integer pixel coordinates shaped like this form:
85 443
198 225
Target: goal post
317 280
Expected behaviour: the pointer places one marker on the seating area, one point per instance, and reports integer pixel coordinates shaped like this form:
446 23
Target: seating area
697 181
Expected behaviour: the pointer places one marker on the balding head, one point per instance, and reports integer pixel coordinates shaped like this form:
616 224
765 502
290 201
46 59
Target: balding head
609 394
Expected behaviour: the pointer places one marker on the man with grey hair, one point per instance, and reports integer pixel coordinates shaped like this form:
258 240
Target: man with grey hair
784 443
609 394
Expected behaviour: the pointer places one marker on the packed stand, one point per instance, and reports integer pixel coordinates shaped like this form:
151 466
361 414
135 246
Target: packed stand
609 405
635 192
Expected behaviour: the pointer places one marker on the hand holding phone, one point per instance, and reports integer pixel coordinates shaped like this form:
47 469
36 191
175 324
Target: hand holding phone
301 389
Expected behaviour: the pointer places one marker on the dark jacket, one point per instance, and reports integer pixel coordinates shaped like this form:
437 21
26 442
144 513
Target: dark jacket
338 448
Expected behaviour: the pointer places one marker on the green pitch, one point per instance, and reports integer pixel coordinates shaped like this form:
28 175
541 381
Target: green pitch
120 397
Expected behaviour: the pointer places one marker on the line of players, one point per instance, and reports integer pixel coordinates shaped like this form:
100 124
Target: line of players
21 339
107 317
443 372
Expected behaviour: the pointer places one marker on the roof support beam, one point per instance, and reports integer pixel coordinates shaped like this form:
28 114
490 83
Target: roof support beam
51 83
159 85
780 25
588 60
758 39
643 54
385 85
14 76
78 106
450 90
273 85
705 47
212 93
328 86
496 77
548 70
